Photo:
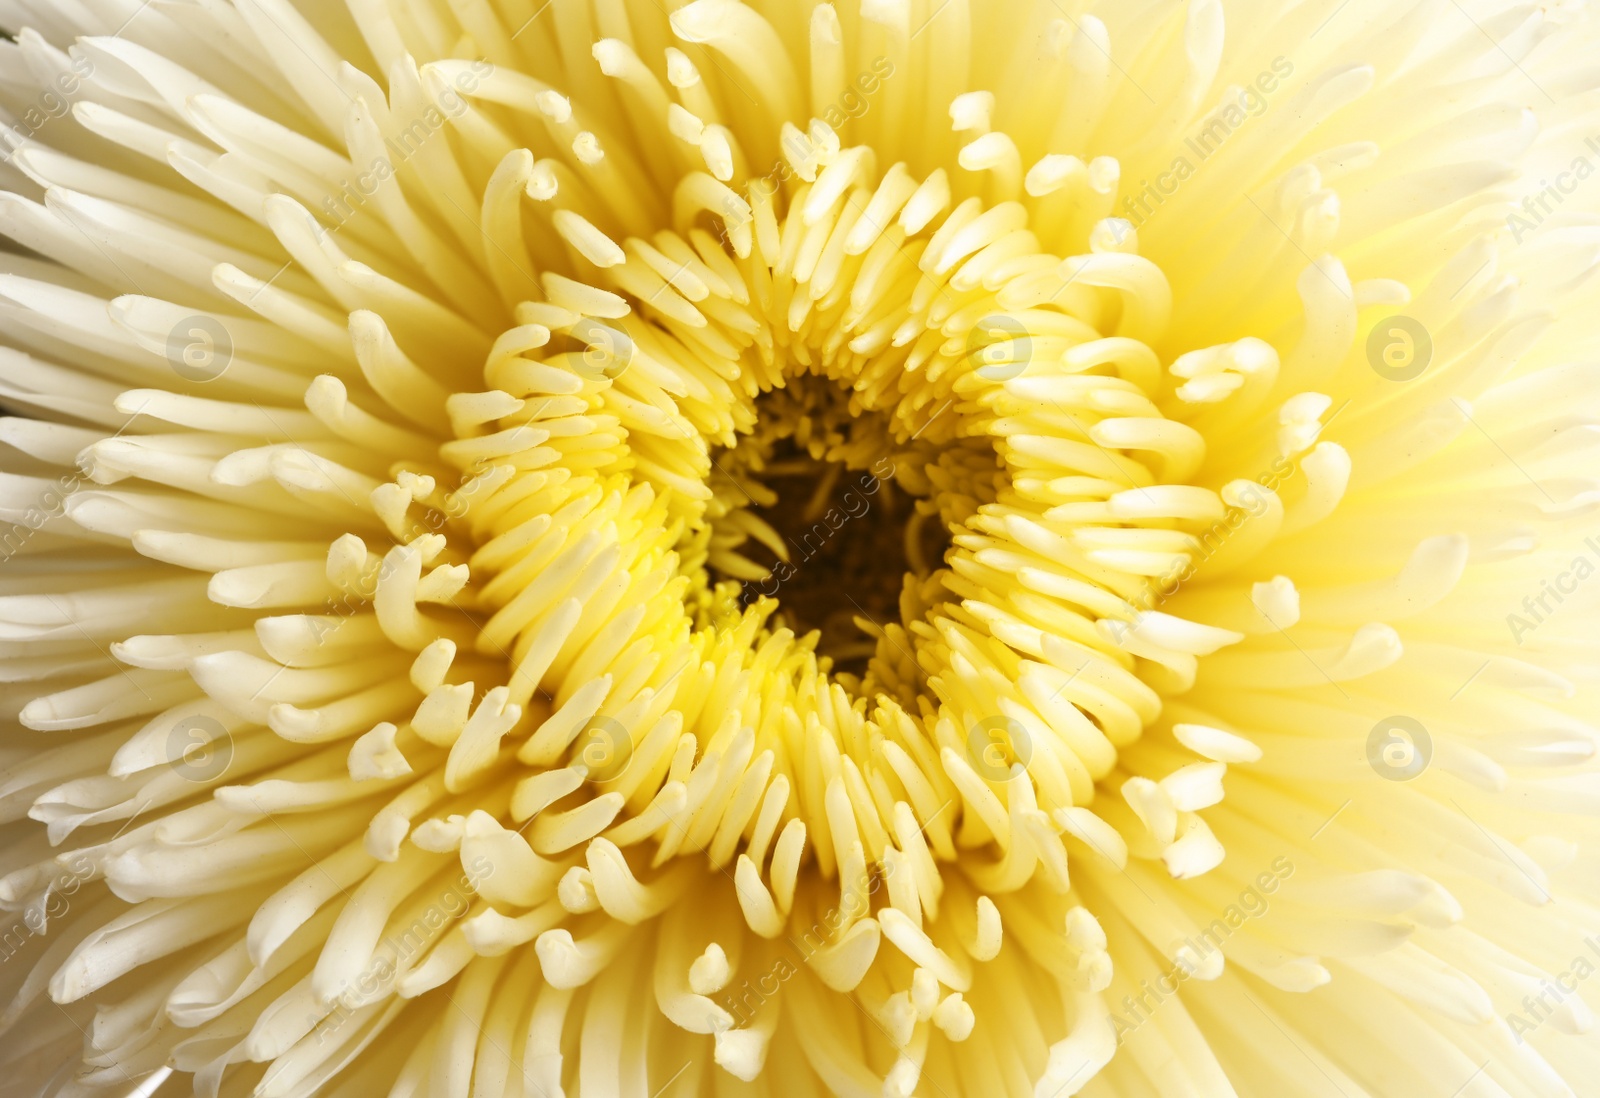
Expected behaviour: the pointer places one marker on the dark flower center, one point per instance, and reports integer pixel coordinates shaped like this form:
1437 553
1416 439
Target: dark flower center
831 485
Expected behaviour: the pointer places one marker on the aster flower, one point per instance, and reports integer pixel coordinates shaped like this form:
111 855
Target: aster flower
911 547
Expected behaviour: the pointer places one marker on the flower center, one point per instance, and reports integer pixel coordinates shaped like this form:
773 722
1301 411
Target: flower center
872 412
824 521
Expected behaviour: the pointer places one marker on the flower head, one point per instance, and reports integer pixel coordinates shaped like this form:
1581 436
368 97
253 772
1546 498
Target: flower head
911 547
